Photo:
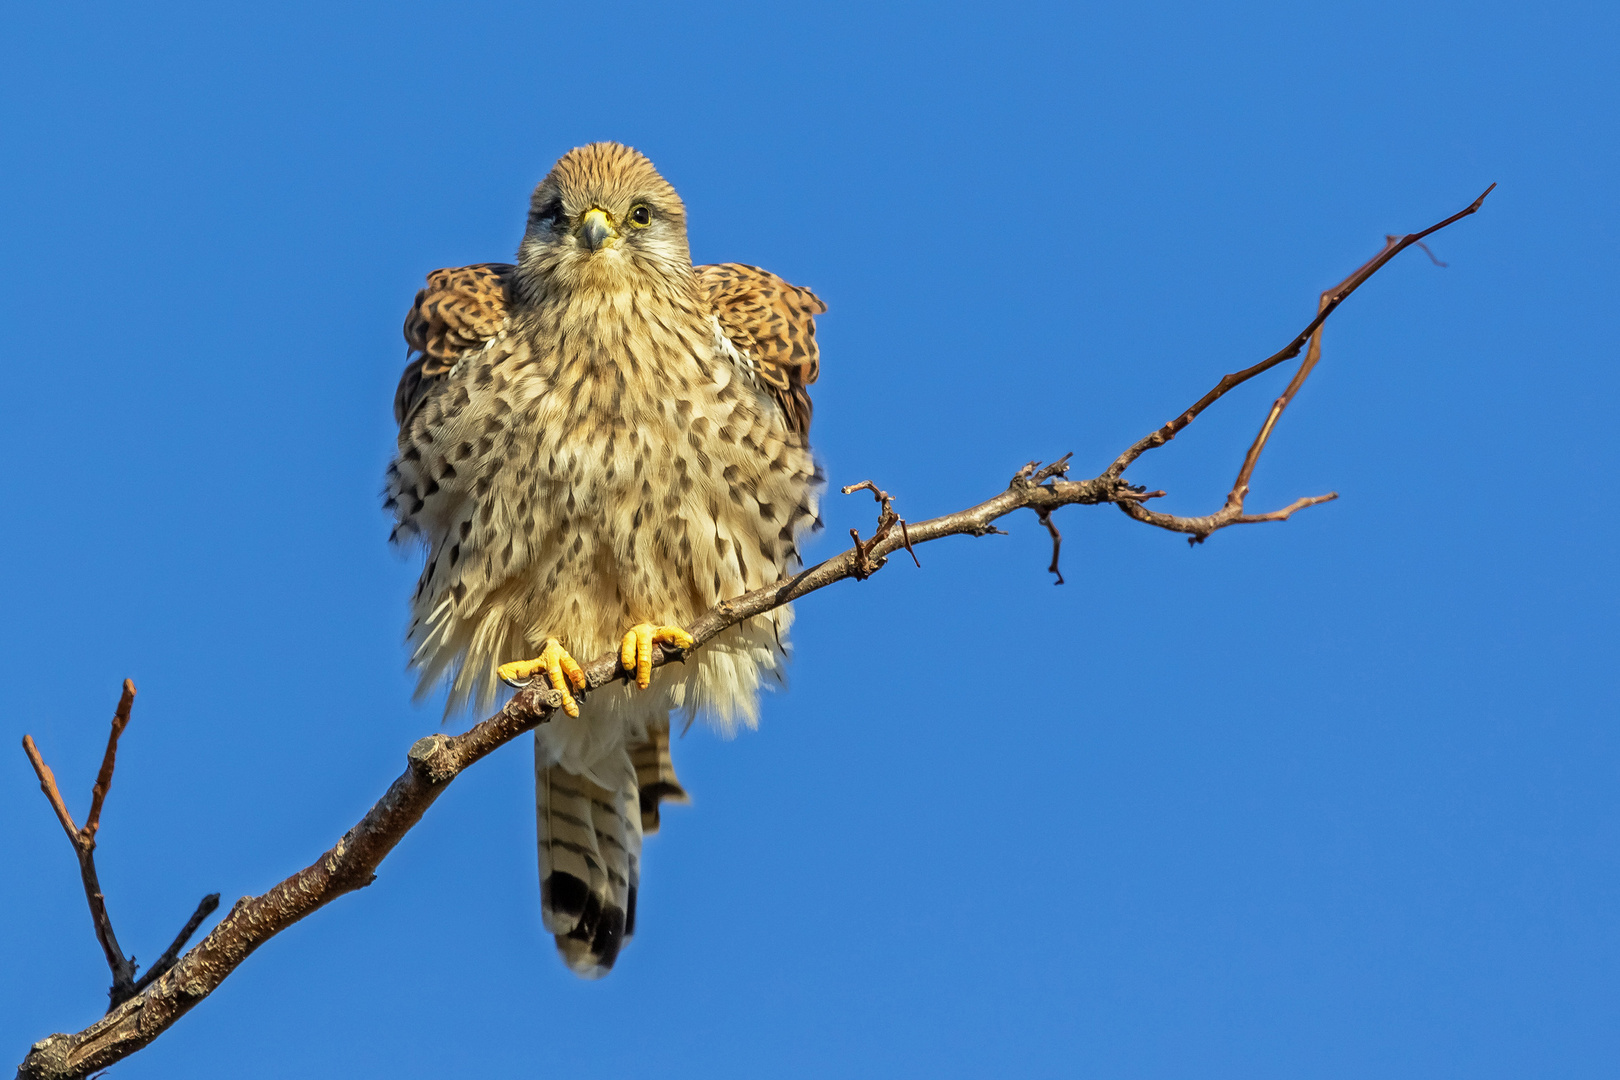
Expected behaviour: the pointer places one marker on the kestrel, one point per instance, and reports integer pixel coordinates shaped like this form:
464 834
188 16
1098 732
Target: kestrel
595 446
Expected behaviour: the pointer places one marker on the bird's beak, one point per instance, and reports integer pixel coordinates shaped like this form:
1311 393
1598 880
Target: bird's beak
596 229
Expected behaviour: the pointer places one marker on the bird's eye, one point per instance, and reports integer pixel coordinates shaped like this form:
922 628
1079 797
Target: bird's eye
546 217
640 215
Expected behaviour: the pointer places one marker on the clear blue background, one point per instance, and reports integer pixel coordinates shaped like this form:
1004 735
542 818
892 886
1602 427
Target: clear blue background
1335 798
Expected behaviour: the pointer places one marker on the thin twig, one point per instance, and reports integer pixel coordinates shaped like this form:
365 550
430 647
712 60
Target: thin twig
98 794
1350 284
205 907
905 538
53 794
1033 475
1431 255
1057 544
887 520
1200 528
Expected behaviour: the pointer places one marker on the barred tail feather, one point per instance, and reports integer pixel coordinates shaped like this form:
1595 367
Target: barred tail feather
590 866
655 775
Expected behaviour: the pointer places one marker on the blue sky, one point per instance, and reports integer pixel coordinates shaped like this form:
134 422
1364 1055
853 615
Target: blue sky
1334 798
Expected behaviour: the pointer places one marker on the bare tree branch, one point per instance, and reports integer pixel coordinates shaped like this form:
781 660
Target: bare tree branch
435 761
124 984
1232 513
84 849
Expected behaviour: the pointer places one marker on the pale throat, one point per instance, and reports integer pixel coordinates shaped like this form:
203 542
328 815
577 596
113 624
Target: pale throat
635 333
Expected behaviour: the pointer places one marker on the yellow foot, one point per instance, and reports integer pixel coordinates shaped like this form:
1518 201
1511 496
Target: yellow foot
556 665
635 651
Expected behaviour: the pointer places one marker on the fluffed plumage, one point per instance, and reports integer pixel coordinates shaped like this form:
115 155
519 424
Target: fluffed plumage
598 436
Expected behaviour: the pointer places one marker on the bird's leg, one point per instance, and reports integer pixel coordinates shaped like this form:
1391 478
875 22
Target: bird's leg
635 650
556 665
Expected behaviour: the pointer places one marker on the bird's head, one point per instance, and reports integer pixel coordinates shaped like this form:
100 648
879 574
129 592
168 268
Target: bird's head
602 219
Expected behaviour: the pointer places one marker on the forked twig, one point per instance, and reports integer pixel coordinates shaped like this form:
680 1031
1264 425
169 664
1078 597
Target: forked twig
124 984
887 520
1233 512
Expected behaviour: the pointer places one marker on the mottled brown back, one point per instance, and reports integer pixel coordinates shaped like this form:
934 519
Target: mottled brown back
459 308
774 324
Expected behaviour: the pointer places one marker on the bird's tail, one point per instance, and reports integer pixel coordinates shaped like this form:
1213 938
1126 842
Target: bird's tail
590 866
590 849
655 775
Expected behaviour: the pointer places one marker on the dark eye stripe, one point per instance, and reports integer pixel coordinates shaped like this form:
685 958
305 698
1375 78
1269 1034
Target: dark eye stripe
548 214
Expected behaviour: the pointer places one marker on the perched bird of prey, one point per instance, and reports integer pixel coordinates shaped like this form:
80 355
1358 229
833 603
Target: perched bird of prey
596 445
